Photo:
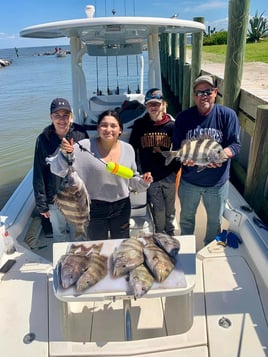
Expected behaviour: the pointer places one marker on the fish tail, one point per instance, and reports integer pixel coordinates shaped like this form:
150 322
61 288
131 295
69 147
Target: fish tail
169 155
80 233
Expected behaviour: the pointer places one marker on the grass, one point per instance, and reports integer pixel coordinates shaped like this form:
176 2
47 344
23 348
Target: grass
254 52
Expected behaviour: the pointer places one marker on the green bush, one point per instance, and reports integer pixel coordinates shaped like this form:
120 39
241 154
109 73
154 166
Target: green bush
217 38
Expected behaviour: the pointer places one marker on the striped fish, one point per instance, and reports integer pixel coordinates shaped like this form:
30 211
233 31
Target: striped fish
202 151
127 256
97 269
73 201
140 281
157 260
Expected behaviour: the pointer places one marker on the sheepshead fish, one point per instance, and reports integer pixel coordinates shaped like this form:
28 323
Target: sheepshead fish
140 281
157 260
170 244
80 249
127 256
70 267
202 151
73 201
96 270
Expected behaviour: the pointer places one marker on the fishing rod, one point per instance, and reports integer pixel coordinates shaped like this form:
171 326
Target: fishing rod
117 88
128 89
97 74
111 166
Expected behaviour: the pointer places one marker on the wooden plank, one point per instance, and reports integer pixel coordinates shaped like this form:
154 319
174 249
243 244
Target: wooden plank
248 103
255 189
246 122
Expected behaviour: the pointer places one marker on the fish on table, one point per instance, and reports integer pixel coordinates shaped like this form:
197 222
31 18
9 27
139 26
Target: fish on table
70 267
170 244
202 151
140 280
157 260
97 269
74 203
127 256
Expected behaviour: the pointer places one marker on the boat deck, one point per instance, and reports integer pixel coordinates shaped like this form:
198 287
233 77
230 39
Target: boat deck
96 328
224 315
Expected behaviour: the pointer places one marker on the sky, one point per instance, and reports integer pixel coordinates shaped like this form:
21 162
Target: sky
18 14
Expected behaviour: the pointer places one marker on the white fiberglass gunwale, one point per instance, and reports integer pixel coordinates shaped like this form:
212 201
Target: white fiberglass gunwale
144 25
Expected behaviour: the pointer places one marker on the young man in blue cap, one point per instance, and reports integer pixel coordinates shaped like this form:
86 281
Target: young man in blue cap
150 135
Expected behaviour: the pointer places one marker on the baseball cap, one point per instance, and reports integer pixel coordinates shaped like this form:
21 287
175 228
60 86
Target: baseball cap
153 95
58 104
204 79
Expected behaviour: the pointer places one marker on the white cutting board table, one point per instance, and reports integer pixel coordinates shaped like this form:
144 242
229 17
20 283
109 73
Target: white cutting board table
181 280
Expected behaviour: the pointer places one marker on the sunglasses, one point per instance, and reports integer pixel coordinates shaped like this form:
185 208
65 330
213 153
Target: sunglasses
206 92
153 96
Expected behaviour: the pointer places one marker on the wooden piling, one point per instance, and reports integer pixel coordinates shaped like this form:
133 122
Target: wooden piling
182 60
236 42
197 45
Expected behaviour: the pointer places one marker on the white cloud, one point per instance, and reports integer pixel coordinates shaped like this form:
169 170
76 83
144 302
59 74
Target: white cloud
220 24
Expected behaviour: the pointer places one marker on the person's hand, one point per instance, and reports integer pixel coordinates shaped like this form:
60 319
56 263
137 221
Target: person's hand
147 177
214 165
188 163
67 146
45 214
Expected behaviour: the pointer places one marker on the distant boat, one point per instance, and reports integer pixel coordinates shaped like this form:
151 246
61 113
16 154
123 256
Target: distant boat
59 52
4 62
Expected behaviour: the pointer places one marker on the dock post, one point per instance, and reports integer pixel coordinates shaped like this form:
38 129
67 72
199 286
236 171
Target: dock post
236 43
182 60
196 54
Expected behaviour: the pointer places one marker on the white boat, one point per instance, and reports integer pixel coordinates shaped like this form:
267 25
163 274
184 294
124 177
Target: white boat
61 53
216 304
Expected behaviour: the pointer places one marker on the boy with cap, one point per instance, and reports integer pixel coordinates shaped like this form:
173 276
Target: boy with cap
150 135
213 120
45 183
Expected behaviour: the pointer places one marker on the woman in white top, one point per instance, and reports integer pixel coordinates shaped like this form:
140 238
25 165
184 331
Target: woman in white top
109 193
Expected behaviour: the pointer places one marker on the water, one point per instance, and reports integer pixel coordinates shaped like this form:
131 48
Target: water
28 86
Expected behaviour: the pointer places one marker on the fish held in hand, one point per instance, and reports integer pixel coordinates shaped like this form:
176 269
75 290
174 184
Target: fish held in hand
170 244
203 151
96 270
140 281
127 256
158 262
73 201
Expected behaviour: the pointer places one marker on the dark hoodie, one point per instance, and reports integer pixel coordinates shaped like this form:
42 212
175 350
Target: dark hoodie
148 138
45 183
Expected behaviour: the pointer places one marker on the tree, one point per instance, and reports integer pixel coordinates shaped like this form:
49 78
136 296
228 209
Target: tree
258 26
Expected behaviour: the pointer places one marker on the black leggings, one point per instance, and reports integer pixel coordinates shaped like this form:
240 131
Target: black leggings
108 217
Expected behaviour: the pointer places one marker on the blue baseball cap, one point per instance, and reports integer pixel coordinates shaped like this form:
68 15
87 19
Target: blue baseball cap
153 95
59 104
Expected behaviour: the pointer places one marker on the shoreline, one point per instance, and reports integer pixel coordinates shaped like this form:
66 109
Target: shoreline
254 76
